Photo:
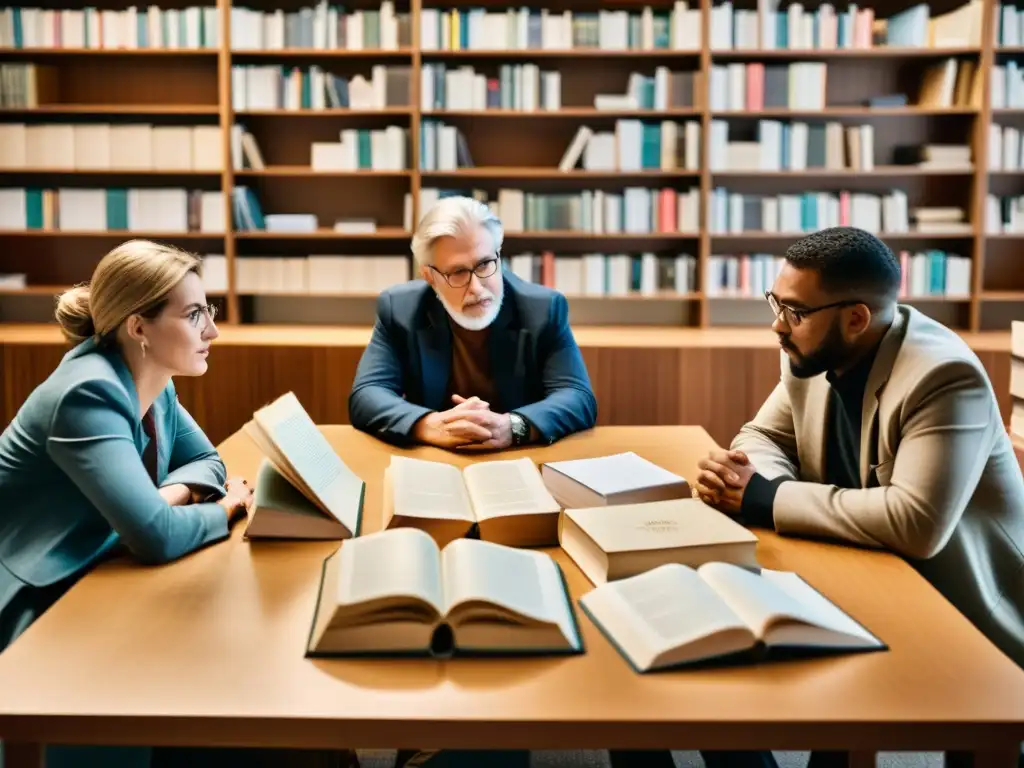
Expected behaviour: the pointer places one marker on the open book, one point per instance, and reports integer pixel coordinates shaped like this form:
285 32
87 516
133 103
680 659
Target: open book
303 489
396 592
502 501
675 615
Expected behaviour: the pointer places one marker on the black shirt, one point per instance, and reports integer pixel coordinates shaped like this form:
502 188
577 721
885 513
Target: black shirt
842 444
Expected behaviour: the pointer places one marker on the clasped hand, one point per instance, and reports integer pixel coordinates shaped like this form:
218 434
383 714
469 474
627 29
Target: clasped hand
723 478
469 425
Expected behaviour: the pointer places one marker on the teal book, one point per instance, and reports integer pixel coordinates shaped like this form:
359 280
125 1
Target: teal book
117 209
33 208
298 451
396 593
675 615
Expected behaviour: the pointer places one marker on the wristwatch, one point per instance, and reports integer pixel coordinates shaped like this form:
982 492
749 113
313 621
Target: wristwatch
520 429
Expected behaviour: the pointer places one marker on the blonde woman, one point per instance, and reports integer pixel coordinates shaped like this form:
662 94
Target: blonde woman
102 456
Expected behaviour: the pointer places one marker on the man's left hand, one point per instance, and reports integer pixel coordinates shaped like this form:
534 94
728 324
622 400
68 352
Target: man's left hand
723 478
499 425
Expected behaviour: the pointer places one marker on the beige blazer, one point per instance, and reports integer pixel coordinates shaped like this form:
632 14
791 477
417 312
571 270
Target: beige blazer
941 484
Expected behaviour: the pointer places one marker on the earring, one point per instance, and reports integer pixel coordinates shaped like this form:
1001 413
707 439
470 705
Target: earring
142 345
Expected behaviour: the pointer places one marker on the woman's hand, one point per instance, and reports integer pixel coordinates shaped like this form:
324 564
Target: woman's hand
238 498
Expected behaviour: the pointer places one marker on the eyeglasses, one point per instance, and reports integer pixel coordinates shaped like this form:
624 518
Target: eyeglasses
195 315
459 278
794 317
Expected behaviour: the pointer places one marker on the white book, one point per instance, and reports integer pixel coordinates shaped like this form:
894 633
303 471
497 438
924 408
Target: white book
676 615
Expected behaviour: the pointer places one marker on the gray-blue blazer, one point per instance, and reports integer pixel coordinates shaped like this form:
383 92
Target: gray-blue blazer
75 488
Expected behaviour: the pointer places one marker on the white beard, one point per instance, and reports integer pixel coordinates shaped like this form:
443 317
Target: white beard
474 322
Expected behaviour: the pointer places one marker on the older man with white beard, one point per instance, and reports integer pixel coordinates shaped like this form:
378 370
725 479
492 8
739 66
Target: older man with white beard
470 357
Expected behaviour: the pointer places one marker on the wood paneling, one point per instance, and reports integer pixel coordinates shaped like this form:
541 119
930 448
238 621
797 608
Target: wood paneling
716 387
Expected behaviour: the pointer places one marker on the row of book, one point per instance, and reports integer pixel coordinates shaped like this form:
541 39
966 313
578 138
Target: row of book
635 145
931 273
1005 151
889 213
322 275
528 88
165 209
608 274
91 28
106 146
795 146
531 29
321 27
256 87
247 216
385 149
522 87
1004 215
634 210
755 86
1007 86
825 28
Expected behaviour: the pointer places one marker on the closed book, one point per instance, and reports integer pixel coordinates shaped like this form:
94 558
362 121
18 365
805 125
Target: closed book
616 542
622 478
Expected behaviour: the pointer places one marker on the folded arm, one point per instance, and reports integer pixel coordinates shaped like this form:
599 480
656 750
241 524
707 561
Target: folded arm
769 441
375 404
568 404
92 441
194 461
950 423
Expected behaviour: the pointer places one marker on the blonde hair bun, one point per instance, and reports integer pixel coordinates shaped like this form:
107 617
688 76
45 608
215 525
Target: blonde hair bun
74 314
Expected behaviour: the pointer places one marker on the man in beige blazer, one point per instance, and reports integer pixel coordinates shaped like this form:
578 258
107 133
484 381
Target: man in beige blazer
883 432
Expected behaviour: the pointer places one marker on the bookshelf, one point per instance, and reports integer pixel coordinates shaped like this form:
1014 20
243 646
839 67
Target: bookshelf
719 132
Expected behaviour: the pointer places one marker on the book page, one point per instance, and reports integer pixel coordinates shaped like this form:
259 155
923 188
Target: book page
403 562
333 486
428 489
523 582
824 612
759 601
672 604
512 487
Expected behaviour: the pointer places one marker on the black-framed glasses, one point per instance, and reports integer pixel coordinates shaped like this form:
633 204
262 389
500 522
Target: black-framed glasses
794 316
459 278
196 314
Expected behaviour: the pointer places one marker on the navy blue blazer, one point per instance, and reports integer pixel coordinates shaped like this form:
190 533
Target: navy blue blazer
537 368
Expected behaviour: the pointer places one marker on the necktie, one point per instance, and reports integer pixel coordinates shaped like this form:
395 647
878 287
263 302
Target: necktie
149 454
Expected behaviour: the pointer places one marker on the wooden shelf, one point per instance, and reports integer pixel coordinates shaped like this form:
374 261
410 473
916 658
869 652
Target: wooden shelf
114 109
883 236
321 53
567 53
305 170
136 52
879 52
563 113
384 111
497 172
110 234
382 233
115 172
517 149
908 111
878 171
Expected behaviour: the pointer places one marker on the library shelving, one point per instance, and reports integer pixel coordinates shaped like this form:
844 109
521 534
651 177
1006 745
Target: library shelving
652 161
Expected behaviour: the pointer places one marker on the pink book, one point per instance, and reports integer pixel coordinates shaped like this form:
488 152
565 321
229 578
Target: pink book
755 85
862 33
844 209
904 272
667 210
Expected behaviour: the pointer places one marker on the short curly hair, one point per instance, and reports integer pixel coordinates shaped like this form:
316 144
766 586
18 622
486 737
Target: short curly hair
849 260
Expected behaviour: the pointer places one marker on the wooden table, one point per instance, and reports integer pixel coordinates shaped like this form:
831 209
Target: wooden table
209 651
